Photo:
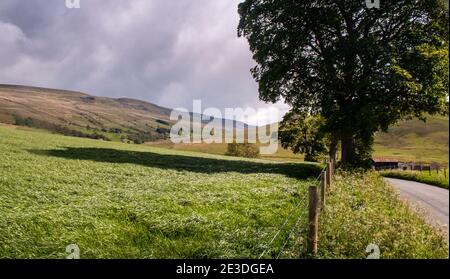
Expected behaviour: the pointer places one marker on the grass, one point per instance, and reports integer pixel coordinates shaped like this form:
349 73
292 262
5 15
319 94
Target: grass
127 201
361 210
133 201
433 178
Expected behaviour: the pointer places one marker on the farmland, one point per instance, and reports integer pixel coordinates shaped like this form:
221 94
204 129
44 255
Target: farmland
117 200
129 201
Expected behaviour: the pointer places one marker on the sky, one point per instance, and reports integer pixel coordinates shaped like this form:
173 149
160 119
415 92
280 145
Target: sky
162 51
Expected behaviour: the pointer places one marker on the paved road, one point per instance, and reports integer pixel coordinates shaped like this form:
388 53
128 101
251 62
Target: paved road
433 199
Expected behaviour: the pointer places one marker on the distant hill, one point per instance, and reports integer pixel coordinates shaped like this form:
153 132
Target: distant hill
414 140
80 114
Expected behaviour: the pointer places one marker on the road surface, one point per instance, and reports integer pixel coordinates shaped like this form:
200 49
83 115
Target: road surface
431 198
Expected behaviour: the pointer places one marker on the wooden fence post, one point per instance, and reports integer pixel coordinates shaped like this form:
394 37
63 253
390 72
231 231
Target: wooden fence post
313 221
323 189
333 167
328 176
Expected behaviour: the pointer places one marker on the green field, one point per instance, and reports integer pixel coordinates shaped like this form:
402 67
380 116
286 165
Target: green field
128 201
118 200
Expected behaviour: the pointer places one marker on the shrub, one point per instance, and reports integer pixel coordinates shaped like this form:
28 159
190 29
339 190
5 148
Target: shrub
163 131
162 122
247 150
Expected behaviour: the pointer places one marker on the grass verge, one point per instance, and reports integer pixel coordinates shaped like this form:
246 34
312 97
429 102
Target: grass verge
433 178
362 210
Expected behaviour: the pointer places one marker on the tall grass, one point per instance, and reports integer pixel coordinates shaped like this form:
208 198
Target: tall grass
362 210
433 178
128 201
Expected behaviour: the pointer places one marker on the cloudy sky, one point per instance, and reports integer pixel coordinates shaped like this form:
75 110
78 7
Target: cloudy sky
163 51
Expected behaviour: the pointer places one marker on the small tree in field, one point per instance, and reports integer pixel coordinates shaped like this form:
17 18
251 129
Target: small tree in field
247 150
347 71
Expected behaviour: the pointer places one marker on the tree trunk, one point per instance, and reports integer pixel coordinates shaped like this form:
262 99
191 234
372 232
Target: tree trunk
348 149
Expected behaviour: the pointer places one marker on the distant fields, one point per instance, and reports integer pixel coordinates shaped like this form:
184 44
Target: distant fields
411 140
221 148
127 120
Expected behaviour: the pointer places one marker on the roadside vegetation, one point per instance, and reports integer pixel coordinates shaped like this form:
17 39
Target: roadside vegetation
362 210
433 178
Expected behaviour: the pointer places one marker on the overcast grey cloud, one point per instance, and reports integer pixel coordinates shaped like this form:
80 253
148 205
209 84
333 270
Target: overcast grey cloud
166 52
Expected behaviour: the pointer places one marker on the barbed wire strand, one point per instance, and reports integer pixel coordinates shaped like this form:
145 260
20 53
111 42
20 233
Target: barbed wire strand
298 219
290 234
279 230
289 217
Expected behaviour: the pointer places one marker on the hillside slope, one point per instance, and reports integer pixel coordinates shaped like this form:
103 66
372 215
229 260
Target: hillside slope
68 111
79 114
414 140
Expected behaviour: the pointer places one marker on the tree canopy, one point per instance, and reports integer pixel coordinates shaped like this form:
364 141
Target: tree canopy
354 70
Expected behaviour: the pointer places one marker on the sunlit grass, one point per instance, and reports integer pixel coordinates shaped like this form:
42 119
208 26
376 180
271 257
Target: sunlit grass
362 210
132 201
127 201
433 177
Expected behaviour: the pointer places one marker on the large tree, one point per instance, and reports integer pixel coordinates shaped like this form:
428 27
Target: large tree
355 70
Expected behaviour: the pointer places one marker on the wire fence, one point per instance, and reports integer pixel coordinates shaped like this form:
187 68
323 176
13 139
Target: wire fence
298 215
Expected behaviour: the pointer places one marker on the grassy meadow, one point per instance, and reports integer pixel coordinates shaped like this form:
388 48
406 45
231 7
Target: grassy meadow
118 200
